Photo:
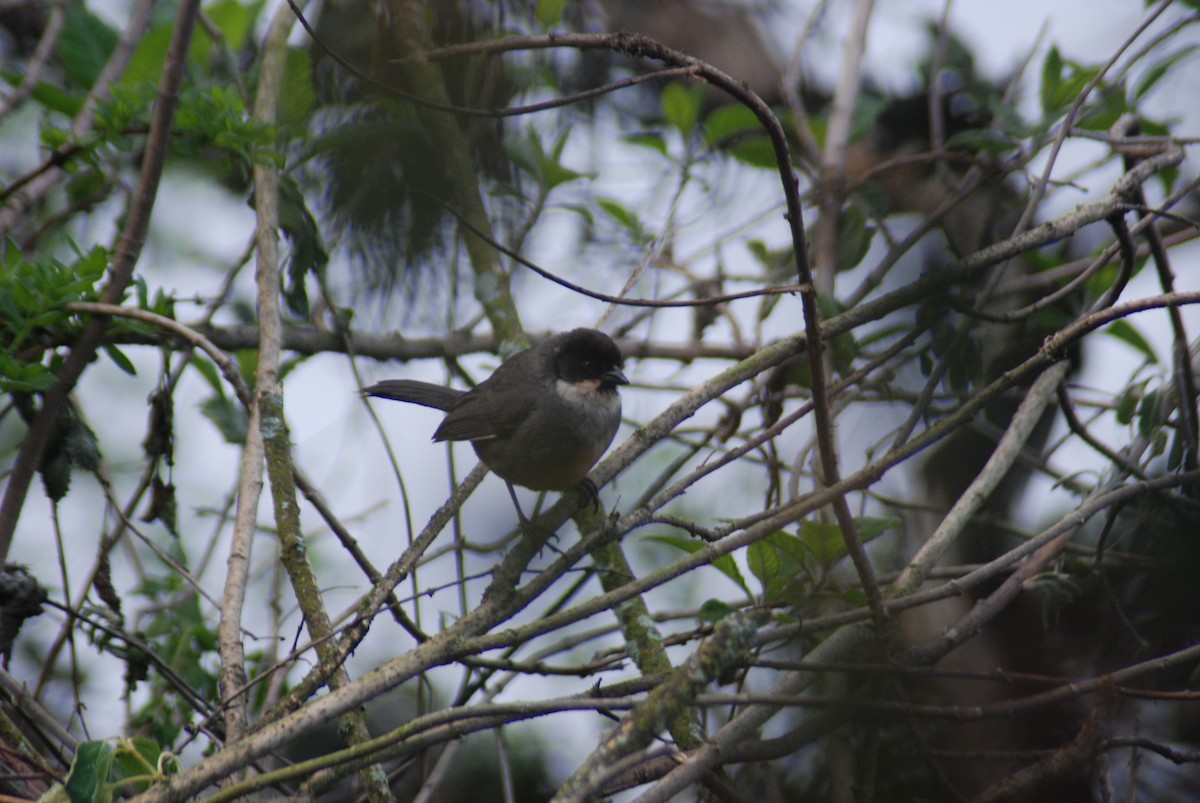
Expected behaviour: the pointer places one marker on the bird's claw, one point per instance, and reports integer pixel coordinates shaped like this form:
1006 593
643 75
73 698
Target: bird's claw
590 492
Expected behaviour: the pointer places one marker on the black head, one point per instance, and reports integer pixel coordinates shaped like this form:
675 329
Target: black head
583 355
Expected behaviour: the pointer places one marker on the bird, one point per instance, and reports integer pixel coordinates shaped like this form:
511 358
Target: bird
541 420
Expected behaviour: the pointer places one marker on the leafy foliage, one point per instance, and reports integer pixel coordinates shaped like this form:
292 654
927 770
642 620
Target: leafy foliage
33 318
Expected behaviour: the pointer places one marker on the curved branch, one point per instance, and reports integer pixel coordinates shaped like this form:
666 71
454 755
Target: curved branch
224 362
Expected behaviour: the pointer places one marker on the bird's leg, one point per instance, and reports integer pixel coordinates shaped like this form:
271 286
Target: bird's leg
528 526
520 513
537 508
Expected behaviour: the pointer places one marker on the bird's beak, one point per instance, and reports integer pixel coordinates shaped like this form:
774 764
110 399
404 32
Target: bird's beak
614 377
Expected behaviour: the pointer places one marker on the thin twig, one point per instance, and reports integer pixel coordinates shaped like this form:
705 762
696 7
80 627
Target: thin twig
706 301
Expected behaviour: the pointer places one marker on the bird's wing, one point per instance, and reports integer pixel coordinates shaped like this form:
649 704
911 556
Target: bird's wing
480 415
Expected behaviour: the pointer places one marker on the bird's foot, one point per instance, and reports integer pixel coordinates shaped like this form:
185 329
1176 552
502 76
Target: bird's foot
590 493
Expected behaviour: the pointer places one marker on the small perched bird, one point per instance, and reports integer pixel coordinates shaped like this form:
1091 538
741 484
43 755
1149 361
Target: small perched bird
542 419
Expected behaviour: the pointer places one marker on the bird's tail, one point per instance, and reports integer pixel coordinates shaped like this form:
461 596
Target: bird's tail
410 390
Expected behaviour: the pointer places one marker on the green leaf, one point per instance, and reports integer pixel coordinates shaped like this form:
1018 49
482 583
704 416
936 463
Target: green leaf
234 19
545 167
228 416
625 217
724 564
1127 403
210 372
57 99
297 100
24 377
137 758
120 360
870 528
1101 114
729 122
162 303
853 238
1158 442
146 64
713 610
86 184
776 265
215 117
764 565
1158 70
54 138
647 139
824 540
1062 81
757 152
87 781
763 561
549 12
790 550
84 45
735 129
557 174
1152 413
1052 68
1128 334
854 597
681 106
788 581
